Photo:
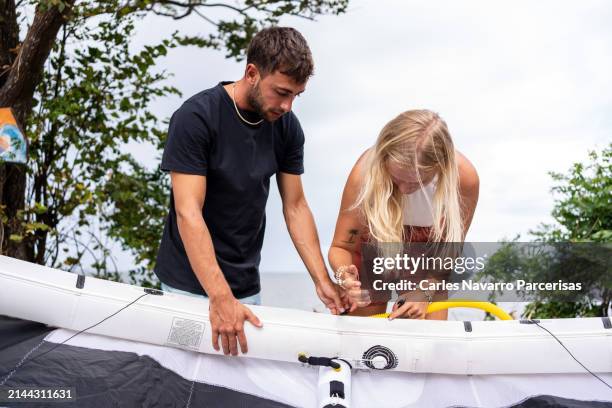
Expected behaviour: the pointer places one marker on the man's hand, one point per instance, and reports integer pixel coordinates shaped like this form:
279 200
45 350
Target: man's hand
333 296
227 316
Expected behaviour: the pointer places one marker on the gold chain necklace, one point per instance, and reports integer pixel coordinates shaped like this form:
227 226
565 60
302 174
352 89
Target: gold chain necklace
238 112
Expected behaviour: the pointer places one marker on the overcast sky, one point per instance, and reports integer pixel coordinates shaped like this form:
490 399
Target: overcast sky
524 86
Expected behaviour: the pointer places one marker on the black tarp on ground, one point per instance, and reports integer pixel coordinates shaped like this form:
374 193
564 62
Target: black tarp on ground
105 378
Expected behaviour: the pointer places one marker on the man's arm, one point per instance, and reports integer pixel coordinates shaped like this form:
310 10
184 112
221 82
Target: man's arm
303 232
189 193
227 315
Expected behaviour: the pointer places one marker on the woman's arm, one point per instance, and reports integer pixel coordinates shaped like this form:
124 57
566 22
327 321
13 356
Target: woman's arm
347 238
349 226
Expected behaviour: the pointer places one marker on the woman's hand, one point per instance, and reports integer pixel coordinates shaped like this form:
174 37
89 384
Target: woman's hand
411 305
409 310
348 278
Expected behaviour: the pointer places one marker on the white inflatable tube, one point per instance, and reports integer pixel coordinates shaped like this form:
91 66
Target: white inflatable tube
50 296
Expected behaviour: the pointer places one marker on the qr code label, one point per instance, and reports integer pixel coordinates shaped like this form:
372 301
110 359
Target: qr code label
186 333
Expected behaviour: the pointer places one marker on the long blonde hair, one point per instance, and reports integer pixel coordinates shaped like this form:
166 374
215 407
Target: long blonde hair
416 139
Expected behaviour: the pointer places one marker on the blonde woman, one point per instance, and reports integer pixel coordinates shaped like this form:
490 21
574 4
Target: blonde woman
411 186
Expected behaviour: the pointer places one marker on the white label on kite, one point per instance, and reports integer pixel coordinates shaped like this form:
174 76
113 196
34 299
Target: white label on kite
186 333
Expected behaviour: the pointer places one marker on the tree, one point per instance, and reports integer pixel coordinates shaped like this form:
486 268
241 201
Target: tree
575 249
583 209
583 212
82 94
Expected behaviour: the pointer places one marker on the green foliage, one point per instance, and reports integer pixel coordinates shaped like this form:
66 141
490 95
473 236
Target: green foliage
47 4
92 102
140 199
584 206
554 309
579 249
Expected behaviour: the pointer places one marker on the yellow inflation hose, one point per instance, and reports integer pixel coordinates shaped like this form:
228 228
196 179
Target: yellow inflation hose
486 306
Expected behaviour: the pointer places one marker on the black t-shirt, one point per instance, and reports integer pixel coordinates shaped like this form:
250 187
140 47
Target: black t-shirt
206 137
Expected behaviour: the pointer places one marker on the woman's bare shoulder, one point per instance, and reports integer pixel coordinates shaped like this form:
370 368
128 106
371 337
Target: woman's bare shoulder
468 176
358 171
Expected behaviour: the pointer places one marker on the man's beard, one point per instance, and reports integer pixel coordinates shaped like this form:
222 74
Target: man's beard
254 99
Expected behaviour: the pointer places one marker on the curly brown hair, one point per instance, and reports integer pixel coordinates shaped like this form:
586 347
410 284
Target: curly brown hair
283 49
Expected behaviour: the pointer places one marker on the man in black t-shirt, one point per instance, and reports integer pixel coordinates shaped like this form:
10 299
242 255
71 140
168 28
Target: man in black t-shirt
223 146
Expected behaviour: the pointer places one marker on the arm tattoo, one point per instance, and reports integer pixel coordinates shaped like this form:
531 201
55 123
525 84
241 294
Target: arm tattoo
352 234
